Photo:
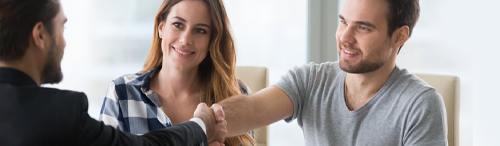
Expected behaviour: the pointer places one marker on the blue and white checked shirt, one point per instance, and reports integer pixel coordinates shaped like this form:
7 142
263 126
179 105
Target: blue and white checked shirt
131 106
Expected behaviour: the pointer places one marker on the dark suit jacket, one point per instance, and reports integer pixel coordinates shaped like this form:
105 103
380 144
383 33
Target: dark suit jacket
33 115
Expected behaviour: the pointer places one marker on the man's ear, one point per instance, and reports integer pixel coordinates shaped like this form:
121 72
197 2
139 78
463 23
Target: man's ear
400 36
40 35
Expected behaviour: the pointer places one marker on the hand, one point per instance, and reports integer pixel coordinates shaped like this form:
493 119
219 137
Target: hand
216 129
218 112
215 143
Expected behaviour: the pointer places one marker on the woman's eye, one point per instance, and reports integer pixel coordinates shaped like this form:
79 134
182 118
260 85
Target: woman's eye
201 31
178 25
342 21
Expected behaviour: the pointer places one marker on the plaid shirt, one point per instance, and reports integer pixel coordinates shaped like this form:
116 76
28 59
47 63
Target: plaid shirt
131 106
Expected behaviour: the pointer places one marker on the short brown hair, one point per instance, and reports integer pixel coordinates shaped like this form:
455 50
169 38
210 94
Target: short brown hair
402 12
17 19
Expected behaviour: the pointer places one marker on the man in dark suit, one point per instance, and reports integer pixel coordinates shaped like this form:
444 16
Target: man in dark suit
31 49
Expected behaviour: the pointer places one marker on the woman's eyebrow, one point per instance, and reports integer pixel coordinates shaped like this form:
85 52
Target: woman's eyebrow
177 17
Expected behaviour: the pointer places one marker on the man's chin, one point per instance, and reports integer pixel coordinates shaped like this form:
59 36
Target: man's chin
359 68
346 66
55 81
53 77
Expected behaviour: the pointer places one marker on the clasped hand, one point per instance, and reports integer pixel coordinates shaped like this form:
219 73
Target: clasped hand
216 125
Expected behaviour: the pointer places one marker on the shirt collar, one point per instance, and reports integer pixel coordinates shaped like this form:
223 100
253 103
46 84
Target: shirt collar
145 79
16 77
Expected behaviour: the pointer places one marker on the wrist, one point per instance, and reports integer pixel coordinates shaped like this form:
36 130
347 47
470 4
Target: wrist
200 123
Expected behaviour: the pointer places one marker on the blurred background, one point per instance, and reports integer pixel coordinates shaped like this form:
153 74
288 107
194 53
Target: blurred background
110 38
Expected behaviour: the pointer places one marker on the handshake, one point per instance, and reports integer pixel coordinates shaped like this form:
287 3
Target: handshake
215 124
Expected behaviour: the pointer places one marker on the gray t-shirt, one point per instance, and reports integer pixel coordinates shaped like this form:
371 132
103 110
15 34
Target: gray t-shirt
406 111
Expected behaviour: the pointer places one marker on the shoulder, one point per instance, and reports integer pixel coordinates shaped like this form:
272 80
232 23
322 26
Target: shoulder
128 78
117 89
319 66
58 93
412 86
410 82
315 70
65 98
325 67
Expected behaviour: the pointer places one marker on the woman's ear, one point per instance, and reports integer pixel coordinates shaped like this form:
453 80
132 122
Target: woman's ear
40 35
160 29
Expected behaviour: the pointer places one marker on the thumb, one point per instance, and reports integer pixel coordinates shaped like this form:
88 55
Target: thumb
218 112
199 109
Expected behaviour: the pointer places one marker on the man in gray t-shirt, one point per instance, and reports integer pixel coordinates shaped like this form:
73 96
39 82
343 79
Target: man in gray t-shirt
405 111
364 98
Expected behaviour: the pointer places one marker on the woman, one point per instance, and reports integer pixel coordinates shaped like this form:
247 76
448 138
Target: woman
191 60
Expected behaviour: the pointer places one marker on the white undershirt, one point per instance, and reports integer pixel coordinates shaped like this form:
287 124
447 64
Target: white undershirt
199 122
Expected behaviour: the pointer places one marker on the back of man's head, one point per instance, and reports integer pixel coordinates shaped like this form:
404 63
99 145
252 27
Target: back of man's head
17 19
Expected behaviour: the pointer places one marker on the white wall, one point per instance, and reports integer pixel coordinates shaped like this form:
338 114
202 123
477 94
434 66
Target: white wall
479 41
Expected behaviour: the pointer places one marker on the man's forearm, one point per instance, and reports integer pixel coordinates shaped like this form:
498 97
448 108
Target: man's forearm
240 114
248 112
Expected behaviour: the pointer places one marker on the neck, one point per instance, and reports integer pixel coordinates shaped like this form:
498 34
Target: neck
28 65
178 83
368 84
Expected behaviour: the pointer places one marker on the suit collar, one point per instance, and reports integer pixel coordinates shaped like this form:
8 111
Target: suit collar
16 77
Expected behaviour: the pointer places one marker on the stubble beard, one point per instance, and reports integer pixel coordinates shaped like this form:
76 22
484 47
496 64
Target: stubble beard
365 65
52 73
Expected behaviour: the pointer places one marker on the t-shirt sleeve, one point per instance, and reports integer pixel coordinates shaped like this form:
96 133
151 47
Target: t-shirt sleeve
295 84
427 121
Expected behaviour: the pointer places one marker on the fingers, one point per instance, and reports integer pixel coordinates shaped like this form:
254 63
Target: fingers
200 108
218 112
221 131
214 143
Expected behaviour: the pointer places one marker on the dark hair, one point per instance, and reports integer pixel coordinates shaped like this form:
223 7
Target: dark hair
402 12
17 19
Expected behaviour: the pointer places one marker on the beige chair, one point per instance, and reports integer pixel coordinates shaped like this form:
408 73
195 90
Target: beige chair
256 78
449 87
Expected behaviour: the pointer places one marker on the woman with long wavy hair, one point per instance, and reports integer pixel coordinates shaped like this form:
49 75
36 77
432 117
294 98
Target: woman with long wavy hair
192 59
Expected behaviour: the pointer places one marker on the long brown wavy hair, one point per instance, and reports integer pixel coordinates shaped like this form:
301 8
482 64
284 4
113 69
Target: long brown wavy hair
216 71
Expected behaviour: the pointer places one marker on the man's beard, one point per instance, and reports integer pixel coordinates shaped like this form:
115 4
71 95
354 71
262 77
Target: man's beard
51 73
365 66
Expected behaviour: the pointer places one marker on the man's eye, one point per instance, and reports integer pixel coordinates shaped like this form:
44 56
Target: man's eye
342 21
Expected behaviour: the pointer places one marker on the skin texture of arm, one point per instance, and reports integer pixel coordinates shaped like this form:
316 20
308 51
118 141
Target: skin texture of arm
244 113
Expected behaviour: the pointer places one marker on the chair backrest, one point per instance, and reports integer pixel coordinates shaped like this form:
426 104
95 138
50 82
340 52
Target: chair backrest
449 87
256 78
